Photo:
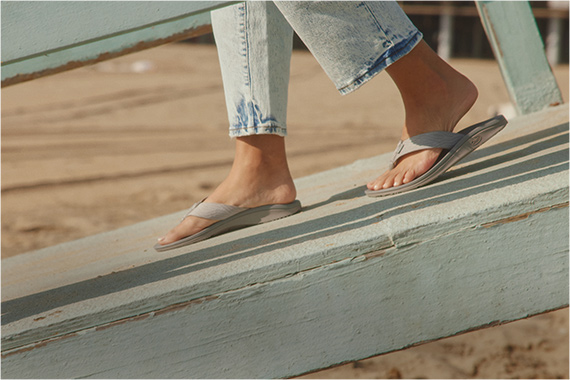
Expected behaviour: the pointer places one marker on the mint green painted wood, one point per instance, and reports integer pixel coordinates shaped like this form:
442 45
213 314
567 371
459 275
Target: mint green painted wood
43 37
519 50
347 278
338 312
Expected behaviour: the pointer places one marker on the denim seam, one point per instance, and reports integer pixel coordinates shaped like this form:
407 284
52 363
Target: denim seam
378 25
257 130
379 65
247 57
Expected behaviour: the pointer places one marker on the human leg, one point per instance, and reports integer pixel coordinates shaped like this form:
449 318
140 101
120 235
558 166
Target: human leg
254 46
354 41
259 176
435 97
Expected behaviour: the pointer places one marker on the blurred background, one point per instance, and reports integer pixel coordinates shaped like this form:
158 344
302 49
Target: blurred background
454 30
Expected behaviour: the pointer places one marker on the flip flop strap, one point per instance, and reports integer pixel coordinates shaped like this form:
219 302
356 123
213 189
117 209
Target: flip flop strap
213 211
438 139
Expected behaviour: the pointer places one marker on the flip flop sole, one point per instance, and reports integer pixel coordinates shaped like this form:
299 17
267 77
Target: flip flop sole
247 218
475 136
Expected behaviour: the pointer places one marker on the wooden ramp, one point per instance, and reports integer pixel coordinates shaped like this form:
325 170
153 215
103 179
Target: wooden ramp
347 278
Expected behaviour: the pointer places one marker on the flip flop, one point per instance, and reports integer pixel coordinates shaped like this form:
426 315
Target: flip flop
230 218
458 145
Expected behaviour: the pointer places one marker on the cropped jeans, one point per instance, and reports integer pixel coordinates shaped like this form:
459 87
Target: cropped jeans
352 41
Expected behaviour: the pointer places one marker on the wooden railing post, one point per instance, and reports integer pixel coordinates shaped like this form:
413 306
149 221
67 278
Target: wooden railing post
519 50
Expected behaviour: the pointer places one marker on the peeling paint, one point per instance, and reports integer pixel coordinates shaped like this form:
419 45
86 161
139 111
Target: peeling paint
122 321
38 345
374 254
184 305
520 217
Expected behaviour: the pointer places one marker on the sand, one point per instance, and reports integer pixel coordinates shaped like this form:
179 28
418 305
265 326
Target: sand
145 135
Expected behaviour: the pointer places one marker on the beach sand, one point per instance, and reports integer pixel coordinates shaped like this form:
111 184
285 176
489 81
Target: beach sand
145 135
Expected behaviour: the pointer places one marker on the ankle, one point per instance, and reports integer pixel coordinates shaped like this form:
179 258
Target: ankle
265 181
245 188
260 174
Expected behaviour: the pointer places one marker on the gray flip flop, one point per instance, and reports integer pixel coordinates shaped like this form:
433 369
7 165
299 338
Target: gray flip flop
458 145
230 218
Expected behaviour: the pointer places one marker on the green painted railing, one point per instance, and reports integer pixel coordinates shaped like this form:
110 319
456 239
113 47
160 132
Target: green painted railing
519 50
46 37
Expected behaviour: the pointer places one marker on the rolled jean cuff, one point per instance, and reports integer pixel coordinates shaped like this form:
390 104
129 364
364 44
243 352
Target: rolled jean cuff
239 131
386 59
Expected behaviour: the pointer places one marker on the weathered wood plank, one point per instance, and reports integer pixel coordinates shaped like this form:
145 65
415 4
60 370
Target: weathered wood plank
519 50
338 312
35 44
347 278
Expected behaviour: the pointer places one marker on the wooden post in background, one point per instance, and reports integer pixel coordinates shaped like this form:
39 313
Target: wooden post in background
445 36
519 50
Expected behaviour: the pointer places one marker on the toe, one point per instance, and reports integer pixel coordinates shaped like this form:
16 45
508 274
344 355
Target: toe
409 176
173 235
407 169
377 183
398 179
388 182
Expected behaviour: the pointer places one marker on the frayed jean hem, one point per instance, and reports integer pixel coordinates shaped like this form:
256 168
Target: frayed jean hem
257 130
385 60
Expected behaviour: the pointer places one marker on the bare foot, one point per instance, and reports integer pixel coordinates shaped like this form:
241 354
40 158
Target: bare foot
435 97
259 176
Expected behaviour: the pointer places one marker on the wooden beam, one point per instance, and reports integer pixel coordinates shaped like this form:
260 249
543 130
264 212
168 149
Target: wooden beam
35 44
516 42
347 278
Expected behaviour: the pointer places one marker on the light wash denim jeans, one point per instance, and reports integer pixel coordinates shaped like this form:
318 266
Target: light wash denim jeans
352 41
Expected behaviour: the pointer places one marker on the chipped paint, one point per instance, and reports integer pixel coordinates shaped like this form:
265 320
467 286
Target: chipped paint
38 345
520 217
185 305
122 321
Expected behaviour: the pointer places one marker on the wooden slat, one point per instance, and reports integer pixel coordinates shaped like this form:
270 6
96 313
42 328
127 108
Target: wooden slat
519 50
347 278
35 44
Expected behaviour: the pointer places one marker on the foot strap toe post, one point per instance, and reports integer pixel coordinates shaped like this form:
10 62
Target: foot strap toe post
430 140
213 211
458 145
